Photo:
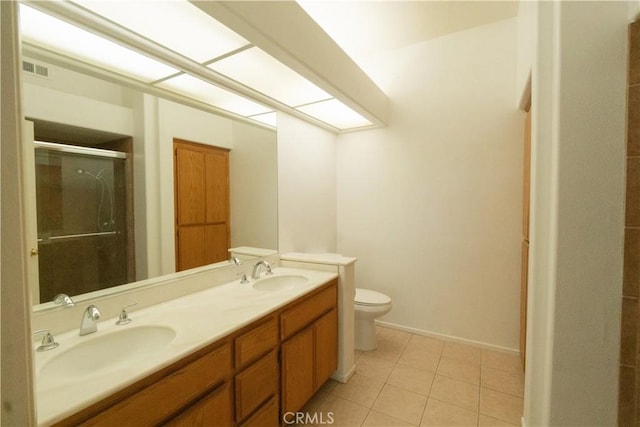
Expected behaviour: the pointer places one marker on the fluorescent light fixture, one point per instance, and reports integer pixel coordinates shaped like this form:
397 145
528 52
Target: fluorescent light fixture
270 119
335 113
48 32
198 89
256 69
177 25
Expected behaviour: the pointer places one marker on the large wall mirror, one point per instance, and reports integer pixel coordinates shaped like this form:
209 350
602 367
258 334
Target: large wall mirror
73 109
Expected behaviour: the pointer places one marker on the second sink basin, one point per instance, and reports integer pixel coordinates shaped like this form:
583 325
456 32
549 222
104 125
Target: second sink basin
279 283
101 353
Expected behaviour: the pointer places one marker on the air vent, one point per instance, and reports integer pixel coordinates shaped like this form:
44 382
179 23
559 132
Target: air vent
35 69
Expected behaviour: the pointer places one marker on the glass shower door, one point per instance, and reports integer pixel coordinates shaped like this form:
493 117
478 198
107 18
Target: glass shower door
82 212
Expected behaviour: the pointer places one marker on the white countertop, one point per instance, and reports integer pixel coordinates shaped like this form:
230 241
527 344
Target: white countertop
198 319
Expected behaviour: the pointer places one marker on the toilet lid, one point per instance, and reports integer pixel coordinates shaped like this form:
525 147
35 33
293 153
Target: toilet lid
369 297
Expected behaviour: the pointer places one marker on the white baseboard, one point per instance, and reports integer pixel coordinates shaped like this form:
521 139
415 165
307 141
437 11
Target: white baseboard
522 424
343 378
449 338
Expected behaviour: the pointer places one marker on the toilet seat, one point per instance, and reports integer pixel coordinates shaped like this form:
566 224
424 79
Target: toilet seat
367 297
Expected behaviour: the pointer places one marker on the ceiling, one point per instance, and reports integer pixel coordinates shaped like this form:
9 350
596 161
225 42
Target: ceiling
130 40
365 29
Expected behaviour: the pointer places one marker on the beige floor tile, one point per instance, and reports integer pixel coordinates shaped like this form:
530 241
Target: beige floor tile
342 412
360 389
396 336
504 361
411 379
455 392
378 419
402 404
486 421
371 366
419 359
463 371
440 414
357 354
504 381
387 350
428 344
502 406
328 386
315 402
462 353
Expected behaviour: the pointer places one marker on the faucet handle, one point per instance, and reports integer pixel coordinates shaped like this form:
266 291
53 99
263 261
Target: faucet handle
243 280
48 342
123 319
268 272
64 300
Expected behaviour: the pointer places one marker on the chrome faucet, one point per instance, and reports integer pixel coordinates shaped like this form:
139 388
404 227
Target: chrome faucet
90 319
255 274
64 300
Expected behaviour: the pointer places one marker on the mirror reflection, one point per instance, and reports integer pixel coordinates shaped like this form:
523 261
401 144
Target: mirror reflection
105 204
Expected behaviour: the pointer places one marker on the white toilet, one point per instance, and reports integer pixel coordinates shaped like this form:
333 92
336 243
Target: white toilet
368 306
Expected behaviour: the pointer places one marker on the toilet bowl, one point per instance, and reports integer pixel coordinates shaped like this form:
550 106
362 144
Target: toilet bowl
368 306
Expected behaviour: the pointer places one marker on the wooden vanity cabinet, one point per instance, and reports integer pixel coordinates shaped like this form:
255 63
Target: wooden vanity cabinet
257 379
309 351
167 393
247 379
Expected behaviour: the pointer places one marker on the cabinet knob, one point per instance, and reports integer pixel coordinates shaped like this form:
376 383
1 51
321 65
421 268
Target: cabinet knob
34 252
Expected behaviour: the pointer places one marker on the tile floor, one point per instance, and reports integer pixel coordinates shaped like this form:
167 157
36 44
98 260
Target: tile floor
413 380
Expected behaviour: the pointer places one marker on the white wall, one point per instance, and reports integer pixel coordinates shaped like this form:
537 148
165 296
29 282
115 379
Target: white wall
306 187
527 21
577 220
253 161
431 205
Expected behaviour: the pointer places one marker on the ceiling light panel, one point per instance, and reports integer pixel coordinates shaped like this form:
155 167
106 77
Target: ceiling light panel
335 113
48 32
270 119
256 69
210 94
177 25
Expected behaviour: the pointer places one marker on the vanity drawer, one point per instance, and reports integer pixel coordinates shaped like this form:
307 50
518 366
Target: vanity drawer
302 314
158 401
256 342
267 416
256 384
215 409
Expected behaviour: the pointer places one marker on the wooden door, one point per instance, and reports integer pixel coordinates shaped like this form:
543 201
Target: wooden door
201 181
524 272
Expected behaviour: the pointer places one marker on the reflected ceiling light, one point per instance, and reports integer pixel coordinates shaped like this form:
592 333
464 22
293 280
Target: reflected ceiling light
46 31
177 25
256 69
335 113
270 119
206 92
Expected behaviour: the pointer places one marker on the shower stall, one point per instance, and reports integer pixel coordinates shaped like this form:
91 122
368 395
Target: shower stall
85 235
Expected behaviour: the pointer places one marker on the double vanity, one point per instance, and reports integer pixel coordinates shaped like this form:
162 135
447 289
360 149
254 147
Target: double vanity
243 352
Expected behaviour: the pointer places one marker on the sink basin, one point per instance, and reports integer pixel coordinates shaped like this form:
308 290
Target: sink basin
279 283
103 353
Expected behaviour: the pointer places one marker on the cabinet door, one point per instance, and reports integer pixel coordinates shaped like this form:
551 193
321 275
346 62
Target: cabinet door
326 347
255 385
212 410
297 370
